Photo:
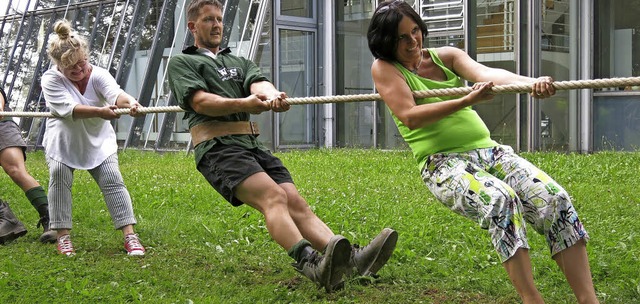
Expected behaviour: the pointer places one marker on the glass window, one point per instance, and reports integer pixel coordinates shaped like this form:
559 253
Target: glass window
297 8
617 39
354 120
495 45
616 123
296 72
616 111
558 59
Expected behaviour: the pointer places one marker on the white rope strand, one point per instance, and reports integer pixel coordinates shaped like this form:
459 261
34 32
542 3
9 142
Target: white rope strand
503 89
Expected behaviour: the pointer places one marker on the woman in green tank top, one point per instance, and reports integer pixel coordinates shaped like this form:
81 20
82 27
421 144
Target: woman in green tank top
461 165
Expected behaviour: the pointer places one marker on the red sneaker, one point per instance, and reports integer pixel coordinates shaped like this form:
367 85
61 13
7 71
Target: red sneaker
132 245
64 245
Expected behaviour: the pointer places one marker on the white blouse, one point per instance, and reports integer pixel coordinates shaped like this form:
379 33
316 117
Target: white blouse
79 143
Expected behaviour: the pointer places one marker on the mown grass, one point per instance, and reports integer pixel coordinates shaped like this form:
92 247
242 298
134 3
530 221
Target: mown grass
201 250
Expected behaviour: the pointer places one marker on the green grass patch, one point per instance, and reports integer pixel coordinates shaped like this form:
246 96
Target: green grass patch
202 250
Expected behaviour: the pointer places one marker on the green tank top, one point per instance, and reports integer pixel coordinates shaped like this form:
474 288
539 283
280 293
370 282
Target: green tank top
461 131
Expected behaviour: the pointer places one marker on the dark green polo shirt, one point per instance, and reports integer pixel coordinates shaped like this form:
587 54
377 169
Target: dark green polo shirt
227 75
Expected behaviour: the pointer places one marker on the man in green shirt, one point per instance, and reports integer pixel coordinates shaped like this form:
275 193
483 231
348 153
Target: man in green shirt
219 91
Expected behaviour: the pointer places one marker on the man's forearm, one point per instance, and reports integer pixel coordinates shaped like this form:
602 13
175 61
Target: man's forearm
264 87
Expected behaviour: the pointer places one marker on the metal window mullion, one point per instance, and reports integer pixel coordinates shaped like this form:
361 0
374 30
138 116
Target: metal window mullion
328 68
275 60
533 62
574 72
586 72
517 52
470 27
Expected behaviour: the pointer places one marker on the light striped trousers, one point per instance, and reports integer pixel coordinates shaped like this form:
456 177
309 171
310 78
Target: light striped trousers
110 181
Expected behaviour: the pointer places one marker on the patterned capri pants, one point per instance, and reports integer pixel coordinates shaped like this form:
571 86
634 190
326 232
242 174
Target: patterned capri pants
501 191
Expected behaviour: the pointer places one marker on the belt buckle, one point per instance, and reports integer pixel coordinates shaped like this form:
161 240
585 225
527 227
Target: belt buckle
253 130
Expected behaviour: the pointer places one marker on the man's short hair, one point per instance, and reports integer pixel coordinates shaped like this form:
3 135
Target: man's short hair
193 10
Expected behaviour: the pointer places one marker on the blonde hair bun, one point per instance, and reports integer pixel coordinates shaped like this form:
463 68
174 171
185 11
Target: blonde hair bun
62 28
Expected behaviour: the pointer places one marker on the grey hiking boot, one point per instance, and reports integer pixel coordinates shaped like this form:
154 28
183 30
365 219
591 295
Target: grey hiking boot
48 236
10 227
327 270
366 261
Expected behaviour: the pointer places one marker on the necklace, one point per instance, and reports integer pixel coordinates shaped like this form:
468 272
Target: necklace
415 70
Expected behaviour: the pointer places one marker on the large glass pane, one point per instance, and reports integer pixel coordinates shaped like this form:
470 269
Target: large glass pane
297 8
616 123
354 120
560 61
297 127
445 19
616 111
617 44
495 46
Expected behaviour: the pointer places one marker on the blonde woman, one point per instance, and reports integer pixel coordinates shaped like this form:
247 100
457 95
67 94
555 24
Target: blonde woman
83 98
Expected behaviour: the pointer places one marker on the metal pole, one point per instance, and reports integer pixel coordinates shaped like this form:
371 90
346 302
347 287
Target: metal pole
586 72
533 62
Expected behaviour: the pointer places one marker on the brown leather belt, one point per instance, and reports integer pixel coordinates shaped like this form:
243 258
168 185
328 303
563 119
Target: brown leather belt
210 129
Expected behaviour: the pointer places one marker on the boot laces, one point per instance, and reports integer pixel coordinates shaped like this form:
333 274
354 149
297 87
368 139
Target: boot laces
312 260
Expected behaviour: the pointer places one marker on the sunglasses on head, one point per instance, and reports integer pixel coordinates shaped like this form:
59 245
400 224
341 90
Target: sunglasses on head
393 5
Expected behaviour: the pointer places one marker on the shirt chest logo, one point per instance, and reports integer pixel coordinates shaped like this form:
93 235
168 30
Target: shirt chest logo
230 73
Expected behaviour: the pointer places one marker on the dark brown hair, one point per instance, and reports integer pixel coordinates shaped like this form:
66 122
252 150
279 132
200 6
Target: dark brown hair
382 34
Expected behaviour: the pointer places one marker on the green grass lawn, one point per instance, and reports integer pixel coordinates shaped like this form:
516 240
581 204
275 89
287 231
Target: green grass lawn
202 250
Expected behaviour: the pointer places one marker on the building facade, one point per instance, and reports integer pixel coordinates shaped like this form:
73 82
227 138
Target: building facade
318 48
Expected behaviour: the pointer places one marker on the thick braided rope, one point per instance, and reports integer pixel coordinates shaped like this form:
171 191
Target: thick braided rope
503 89
145 110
